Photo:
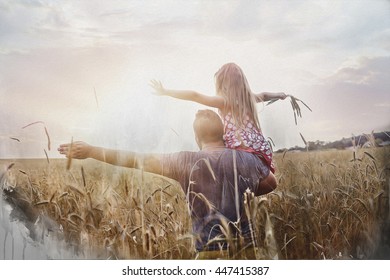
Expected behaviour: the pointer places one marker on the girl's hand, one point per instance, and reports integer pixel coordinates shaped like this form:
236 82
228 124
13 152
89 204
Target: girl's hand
158 87
77 150
282 95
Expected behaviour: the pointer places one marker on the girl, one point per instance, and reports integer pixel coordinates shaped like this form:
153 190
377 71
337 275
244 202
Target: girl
236 104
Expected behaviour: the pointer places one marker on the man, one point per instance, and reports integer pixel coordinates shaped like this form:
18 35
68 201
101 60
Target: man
213 179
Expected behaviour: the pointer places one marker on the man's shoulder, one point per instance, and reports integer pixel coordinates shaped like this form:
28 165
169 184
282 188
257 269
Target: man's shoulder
242 158
180 156
191 156
240 153
227 155
222 152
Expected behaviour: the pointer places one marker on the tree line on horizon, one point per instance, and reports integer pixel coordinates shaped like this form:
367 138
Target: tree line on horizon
374 139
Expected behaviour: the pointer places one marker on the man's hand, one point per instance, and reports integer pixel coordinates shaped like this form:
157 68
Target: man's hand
77 150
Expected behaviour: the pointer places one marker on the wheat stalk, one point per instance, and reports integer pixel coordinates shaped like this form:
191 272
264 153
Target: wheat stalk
41 122
295 106
46 132
69 161
48 138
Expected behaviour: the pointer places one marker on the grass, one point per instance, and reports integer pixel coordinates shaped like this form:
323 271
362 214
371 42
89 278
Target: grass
102 211
332 205
328 205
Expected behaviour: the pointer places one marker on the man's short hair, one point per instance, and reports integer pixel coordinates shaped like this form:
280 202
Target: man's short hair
208 126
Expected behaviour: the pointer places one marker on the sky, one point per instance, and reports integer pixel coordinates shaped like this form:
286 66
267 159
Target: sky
82 69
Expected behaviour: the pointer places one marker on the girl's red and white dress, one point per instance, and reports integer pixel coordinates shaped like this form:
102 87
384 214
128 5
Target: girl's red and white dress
249 139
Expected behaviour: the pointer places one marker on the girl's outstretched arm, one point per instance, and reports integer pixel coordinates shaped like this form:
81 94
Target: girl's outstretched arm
267 96
190 95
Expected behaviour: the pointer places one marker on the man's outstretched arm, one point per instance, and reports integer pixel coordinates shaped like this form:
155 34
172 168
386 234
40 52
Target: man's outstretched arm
81 150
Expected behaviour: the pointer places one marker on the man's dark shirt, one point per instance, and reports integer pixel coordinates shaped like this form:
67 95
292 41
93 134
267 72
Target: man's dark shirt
208 180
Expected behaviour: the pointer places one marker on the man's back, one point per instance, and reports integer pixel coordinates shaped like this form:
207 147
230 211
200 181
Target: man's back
211 180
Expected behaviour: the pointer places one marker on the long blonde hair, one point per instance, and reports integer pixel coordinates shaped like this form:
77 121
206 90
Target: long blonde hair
233 86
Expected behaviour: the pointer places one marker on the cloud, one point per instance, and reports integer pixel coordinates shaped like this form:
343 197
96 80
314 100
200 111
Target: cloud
56 53
354 100
30 24
369 77
300 26
386 105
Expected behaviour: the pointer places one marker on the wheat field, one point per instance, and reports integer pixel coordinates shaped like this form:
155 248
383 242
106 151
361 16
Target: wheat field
328 205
